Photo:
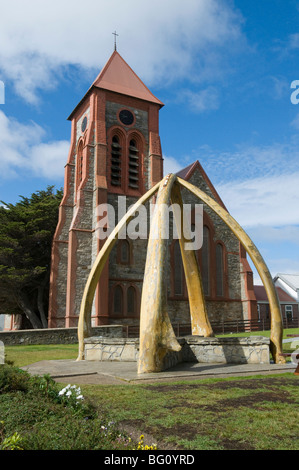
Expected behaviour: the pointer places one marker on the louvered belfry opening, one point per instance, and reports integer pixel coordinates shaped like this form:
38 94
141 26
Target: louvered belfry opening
115 162
133 165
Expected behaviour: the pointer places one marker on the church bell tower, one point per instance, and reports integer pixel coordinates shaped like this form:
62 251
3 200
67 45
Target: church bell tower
115 151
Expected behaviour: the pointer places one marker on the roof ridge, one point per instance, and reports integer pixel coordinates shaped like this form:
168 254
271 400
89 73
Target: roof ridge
187 172
117 76
125 71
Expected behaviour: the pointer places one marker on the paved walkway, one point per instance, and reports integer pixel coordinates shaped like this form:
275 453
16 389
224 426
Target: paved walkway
125 373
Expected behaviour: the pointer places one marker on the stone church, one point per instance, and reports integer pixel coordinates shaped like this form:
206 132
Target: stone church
116 151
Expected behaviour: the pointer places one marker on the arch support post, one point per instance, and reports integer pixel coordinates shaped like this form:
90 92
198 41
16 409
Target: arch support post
156 333
276 319
84 323
200 324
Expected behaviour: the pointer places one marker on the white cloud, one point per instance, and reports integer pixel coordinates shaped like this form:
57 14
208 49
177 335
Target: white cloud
276 263
200 101
264 201
281 264
259 186
23 150
171 165
249 162
283 234
279 247
48 159
162 41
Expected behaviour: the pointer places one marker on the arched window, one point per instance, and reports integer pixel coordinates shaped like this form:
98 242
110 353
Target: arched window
178 270
118 300
133 168
115 161
124 300
131 301
205 257
219 270
125 252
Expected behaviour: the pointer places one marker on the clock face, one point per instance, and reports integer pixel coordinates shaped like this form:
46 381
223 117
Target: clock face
126 117
84 124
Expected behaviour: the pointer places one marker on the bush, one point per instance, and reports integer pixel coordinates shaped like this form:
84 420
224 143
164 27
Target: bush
9 442
37 415
13 379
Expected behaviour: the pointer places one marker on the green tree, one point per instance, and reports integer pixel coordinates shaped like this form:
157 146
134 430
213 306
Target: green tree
26 233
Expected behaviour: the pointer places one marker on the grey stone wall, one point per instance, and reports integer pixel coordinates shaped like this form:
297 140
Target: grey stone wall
236 281
141 123
62 248
232 350
102 349
139 248
83 227
55 335
179 311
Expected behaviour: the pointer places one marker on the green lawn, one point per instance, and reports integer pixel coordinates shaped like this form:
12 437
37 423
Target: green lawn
28 354
267 333
260 412
255 413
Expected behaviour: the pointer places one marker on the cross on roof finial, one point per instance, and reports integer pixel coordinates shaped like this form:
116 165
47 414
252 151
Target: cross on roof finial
115 34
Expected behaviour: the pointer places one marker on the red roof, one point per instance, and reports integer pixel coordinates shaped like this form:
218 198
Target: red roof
261 296
185 173
117 76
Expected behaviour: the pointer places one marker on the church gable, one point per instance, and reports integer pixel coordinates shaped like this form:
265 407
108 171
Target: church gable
222 232
197 176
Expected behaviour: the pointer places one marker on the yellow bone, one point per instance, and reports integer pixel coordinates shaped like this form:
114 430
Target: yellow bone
276 319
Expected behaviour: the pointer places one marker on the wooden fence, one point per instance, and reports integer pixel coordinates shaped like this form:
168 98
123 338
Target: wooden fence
223 327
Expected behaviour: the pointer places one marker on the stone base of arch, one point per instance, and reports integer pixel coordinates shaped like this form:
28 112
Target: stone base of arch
194 349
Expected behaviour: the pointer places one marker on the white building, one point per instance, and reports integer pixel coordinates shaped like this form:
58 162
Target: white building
289 283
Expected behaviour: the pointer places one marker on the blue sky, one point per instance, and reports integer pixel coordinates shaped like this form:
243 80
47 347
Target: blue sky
224 70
